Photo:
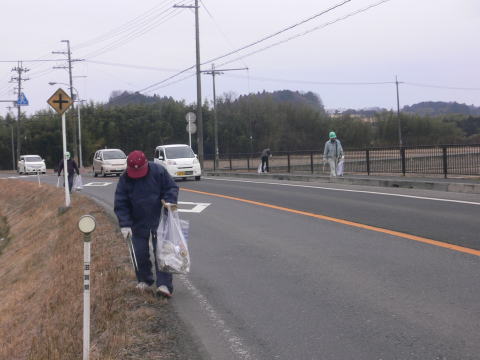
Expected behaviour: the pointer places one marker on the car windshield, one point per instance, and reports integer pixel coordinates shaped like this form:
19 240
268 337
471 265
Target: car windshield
113 155
179 152
33 159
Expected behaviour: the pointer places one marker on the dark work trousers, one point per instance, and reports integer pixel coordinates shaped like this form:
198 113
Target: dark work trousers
265 164
70 181
142 253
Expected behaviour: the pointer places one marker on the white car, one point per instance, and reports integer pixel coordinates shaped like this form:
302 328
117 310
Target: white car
31 164
179 160
109 161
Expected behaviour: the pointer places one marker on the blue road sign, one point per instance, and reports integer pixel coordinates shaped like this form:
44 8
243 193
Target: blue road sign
22 100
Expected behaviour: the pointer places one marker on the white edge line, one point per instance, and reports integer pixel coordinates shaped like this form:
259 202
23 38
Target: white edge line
348 190
235 342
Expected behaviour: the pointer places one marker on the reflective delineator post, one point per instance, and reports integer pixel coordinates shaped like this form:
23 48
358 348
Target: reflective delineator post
86 224
65 168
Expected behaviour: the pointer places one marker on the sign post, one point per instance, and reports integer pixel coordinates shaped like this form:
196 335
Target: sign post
60 102
191 127
87 225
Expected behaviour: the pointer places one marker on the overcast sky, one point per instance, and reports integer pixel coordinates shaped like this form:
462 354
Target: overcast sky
424 42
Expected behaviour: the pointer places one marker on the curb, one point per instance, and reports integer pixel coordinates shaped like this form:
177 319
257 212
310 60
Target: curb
471 188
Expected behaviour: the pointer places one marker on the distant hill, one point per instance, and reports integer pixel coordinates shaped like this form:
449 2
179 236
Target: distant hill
121 98
304 98
436 108
427 108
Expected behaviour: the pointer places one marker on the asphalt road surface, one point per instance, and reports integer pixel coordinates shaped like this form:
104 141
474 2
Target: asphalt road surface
284 270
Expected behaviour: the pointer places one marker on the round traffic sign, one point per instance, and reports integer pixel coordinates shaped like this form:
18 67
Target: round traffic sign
191 128
191 117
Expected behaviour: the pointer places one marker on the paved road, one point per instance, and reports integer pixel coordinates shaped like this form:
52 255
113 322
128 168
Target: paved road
270 282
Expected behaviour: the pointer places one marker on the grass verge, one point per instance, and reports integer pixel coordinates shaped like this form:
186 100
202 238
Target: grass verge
41 270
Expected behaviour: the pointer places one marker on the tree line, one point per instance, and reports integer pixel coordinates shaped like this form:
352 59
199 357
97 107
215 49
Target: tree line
282 121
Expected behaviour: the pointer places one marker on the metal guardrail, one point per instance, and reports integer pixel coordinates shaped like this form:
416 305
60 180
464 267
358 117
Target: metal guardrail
423 160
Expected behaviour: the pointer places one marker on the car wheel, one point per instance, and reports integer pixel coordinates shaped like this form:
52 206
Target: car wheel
198 178
94 173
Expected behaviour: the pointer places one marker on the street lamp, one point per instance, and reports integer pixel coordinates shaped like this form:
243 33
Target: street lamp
80 160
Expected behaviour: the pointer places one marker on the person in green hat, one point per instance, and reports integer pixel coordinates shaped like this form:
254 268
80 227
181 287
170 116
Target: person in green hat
332 153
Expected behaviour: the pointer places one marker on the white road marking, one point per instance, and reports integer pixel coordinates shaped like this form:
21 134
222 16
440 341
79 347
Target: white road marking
197 207
348 190
234 341
98 184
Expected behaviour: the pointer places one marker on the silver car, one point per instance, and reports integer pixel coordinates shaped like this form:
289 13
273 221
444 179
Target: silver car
109 162
31 164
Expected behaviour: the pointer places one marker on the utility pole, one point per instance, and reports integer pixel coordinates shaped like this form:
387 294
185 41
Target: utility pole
20 70
400 142
72 111
13 142
215 72
199 81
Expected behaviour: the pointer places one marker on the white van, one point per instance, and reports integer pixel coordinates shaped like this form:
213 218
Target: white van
31 164
109 161
179 160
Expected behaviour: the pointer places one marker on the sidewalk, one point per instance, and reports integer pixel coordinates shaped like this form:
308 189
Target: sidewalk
461 185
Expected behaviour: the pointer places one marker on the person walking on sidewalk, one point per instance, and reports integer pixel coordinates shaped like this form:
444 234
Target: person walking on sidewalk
332 153
266 153
72 168
138 205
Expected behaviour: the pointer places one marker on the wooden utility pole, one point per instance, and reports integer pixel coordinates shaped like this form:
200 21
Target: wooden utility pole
215 72
400 142
199 82
20 70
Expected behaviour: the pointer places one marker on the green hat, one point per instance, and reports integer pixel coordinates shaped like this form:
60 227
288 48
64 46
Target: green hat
332 135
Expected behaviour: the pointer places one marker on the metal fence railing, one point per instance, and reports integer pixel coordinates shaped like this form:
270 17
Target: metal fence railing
423 160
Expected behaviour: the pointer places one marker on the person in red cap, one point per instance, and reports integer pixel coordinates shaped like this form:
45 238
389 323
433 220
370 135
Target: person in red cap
138 205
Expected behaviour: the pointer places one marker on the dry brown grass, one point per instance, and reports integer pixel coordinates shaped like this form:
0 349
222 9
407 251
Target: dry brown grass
41 292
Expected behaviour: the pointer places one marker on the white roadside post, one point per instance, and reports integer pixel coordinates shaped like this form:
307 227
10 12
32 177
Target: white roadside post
65 167
60 102
87 225
191 126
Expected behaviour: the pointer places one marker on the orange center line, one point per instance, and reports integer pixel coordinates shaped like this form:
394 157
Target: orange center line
346 222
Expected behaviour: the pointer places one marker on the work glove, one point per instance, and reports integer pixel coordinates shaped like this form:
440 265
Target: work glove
169 206
126 232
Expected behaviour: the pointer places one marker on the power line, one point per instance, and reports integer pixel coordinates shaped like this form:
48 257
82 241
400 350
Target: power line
280 31
356 12
124 27
229 42
30 61
442 87
133 35
340 83
252 44
131 66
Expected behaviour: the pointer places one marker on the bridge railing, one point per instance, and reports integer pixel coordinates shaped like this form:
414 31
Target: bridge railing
440 160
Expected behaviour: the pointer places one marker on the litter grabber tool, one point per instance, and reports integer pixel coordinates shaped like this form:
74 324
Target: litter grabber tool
131 250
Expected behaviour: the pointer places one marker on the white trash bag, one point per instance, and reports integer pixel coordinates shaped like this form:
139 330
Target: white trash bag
340 167
78 183
172 250
259 169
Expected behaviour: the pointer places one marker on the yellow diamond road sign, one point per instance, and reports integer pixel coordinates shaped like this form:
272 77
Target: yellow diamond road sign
60 101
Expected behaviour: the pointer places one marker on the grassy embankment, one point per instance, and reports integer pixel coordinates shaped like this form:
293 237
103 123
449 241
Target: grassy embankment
41 284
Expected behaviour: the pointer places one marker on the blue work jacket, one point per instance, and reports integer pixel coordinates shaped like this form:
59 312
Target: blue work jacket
138 201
